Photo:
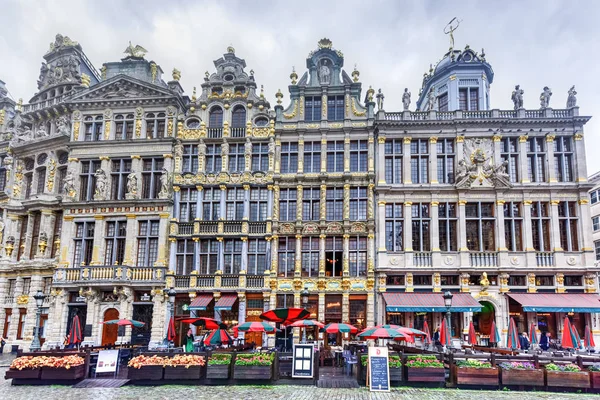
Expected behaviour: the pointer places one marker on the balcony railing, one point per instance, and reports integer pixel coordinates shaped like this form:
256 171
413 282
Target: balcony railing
232 227
480 114
43 104
209 227
230 281
422 259
544 259
214 132
226 228
100 274
255 281
186 228
483 259
226 281
205 281
9 299
238 132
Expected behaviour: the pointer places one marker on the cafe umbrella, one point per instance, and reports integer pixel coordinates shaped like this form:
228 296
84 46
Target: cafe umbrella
204 322
444 333
375 332
532 335
512 340
588 338
217 338
568 338
577 337
124 322
285 316
494 334
255 327
340 328
171 334
427 334
472 334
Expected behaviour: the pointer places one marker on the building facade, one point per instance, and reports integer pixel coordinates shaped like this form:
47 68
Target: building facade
595 212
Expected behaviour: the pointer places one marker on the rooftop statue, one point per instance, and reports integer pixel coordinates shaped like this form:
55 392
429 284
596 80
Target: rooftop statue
135 52
406 99
545 97
380 97
517 97
431 100
571 99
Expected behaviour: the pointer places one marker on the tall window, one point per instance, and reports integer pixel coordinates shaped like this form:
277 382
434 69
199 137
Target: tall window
124 126
35 235
289 158
510 154
2 174
359 154
260 157
152 171
445 160
357 256
185 256
334 250
394 227
238 122
310 204
114 239
447 226
258 204
334 204
335 156
536 159
190 158
594 196
57 230
312 108
286 256
287 204
257 256
540 226
563 158
312 157
211 205
358 203
596 223
419 161
310 256
61 174
41 180
421 223
213 158
87 179
513 226
237 161
119 172
468 99
567 216
597 249
443 102
215 119
188 198
155 125
22 238
28 183
480 226
335 108
209 256
84 243
93 128
393 161
147 239
233 256
234 204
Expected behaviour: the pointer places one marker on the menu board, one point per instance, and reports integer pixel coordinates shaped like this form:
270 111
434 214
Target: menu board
303 361
107 361
379 372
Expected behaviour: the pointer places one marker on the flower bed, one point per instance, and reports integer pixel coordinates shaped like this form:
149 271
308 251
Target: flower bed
47 367
257 366
395 365
566 375
218 366
595 375
475 372
519 373
181 366
423 368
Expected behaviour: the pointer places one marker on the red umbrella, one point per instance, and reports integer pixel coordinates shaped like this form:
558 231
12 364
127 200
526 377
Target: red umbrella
383 333
444 333
494 334
286 316
255 327
337 328
472 335
171 334
235 331
75 335
124 322
307 323
218 337
512 341
427 334
207 323
588 337
567 335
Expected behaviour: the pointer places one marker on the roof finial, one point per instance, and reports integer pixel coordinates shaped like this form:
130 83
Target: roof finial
194 95
450 28
230 49
262 91
294 76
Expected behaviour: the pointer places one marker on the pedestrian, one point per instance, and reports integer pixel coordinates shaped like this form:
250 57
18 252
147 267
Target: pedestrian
2 344
436 339
544 341
523 341
189 341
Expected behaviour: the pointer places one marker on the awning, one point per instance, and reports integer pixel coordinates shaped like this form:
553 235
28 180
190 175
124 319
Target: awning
429 302
557 302
201 302
226 302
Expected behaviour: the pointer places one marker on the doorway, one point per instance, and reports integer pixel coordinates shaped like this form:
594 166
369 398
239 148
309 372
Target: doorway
110 332
143 313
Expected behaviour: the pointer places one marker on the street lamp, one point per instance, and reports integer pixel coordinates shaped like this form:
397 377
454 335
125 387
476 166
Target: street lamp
39 302
171 293
304 296
448 303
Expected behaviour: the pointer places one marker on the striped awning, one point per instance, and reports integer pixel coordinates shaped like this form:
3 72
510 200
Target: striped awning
429 302
201 302
557 302
226 301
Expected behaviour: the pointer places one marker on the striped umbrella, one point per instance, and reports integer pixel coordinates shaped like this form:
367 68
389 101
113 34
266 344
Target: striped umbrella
124 322
286 316
532 335
588 338
381 333
444 333
568 338
427 334
403 329
255 327
472 335
307 323
205 322
75 335
577 337
217 338
337 328
512 340
494 334
171 334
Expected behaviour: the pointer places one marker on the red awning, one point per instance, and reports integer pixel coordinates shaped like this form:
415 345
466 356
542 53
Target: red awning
557 302
226 301
429 302
201 301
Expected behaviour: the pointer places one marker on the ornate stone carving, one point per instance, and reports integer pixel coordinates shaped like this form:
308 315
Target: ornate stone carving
101 185
136 51
165 184
294 111
334 227
69 185
355 110
358 227
517 97
132 186
310 229
545 97
571 98
477 169
406 99
287 228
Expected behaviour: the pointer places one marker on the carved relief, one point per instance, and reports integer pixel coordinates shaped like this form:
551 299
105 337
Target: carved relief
477 168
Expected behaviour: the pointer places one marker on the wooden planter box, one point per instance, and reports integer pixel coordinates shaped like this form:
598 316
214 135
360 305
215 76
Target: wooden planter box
426 374
595 379
217 371
181 372
147 373
476 376
257 372
73 373
396 375
523 377
23 374
568 379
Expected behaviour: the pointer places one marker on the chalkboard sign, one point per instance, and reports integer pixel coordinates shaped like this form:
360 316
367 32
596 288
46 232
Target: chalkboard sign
87 330
379 372
302 363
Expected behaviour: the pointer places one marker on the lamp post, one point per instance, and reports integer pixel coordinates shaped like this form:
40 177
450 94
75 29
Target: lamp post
448 303
171 293
39 302
304 296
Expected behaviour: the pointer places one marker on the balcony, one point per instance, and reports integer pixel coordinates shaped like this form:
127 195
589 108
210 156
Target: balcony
214 132
233 282
224 228
422 259
544 259
483 259
90 275
480 114
238 132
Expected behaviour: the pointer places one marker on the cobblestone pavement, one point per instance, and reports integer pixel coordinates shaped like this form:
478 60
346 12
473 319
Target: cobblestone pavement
260 393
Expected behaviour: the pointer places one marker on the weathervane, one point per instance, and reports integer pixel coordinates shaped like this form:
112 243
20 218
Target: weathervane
450 28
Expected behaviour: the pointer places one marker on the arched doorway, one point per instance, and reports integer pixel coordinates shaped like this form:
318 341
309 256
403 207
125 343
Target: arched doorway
110 332
482 321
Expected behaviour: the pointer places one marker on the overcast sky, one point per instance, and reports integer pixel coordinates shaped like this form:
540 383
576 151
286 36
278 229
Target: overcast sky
541 43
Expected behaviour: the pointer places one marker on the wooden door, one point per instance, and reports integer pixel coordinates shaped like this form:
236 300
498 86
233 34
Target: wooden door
253 337
110 332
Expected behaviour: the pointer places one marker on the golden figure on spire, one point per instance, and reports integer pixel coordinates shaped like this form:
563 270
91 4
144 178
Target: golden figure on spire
450 28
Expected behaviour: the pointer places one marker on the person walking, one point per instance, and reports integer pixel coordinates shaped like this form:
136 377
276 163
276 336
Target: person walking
544 345
2 344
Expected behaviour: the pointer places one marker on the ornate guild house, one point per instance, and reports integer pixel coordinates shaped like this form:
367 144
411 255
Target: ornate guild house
115 186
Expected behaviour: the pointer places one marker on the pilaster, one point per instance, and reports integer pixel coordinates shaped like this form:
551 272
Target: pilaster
433 161
406 171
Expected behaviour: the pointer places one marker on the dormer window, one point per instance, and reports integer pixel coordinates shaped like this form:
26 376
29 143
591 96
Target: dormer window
240 90
193 123
228 77
217 90
215 119
261 121
238 117
443 102
468 99
312 107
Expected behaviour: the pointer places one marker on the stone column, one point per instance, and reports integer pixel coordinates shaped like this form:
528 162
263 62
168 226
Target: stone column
66 247
323 205
550 158
501 244
346 204
300 154
406 172
28 236
163 229
224 157
433 161
580 162
172 254
274 254
130 253
223 207
176 199
462 234
276 203
323 154
322 259
244 254
381 226
270 202
586 243
380 171
275 158
497 140
345 307
436 256
97 253
298 263
346 255
321 306
371 308
523 161
246 216
347 153
14 229
299 193
527 229
555 225
371 154
370 252
408 228
199 203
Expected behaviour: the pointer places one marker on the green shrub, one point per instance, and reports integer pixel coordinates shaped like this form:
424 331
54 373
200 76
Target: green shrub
264 359
219 359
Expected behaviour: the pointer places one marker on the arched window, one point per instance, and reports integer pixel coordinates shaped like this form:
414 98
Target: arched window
261 121
215 119
238 118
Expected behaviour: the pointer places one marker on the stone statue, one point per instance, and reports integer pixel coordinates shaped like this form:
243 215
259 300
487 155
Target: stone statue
201 147
164 184
406 99
135 52
517 97
380 98
431 100
545 97
462 172
271 145
248 147
484 282
178 148
571 99
41 132
324 73
1 231
62 126
101 182
132 185
225 148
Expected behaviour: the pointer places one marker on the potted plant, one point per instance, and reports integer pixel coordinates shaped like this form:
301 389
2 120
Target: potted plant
69 367
184 366
25 367
218 366
148 368
566 375
423 368
521 373
395 365
476 372
595 375
257 366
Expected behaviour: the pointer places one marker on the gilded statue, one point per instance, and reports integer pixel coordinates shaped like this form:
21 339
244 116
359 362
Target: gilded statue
135 52
484 282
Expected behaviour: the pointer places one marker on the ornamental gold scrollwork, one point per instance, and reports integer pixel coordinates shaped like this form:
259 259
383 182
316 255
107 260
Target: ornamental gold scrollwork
294 111
51 173
355 110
